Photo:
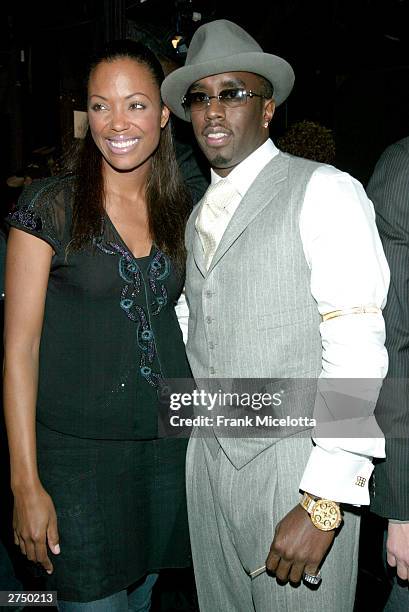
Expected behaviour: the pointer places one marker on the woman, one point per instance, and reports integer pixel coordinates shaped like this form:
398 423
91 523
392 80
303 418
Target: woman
94 269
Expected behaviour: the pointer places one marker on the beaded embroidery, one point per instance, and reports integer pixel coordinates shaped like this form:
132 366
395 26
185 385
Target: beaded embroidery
27 218
158 271
131 274
26 213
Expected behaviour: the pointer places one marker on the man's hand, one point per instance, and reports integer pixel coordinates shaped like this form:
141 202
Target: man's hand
297 547
397 547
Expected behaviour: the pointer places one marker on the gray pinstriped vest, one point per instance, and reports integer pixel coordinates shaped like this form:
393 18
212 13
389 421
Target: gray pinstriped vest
252 314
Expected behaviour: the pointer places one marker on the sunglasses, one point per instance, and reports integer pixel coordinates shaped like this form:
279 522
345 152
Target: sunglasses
196 101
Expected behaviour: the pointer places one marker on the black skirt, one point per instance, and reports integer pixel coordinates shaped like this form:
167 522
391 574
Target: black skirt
121 510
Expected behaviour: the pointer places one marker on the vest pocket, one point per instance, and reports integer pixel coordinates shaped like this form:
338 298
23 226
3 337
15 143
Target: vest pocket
271 320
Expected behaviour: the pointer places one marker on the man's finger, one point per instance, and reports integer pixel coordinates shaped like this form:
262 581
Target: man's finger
312 570
402 570
391 559
272 561
296 573
283 570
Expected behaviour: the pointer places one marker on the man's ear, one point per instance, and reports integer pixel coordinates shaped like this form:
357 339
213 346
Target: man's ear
269 108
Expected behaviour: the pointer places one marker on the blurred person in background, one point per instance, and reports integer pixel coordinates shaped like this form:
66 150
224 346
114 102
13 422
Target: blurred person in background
388 189
191 161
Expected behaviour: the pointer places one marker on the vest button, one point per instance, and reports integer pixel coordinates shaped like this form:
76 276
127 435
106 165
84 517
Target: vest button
208 319
212 370
208 293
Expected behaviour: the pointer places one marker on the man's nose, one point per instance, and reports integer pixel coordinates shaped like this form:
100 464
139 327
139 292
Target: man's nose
214 107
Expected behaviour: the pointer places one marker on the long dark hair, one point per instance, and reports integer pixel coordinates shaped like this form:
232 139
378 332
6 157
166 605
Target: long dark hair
168 200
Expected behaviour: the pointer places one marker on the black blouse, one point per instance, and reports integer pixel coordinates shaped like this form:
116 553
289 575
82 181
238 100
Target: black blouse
110 332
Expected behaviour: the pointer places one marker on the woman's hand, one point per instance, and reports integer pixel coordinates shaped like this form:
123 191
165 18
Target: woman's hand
35 525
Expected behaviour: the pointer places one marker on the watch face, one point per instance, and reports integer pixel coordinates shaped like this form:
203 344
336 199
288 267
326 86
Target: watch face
326 515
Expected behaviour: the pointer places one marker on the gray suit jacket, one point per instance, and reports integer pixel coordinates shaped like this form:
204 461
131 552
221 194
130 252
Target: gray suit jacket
388 188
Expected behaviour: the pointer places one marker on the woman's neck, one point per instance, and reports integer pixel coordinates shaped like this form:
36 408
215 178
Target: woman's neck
128 186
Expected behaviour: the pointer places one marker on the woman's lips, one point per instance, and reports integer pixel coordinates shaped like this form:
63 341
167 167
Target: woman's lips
122 146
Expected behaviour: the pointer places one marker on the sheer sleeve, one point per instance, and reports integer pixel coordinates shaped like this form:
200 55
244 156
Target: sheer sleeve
44 210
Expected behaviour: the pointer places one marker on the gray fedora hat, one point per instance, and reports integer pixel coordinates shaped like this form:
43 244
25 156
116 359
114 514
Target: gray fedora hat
223 46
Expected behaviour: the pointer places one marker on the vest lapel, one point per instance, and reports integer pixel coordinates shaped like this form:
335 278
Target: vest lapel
193 239
265 188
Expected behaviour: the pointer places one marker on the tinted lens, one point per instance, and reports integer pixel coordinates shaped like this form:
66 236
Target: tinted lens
195 100
232 97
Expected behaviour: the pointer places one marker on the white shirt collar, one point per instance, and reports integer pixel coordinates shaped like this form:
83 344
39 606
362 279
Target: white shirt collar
245 173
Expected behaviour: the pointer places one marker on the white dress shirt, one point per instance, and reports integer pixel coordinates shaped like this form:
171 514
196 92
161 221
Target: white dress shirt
348 269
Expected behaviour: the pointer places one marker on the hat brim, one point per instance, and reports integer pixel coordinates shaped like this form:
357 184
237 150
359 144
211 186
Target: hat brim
273 68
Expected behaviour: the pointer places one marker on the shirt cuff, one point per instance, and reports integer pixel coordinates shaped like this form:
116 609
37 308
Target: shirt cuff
396 522
337 475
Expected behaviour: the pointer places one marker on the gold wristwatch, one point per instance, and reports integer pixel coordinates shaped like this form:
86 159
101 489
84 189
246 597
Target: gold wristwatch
325 514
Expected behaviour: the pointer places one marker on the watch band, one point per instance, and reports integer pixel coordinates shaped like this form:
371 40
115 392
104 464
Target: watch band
307 502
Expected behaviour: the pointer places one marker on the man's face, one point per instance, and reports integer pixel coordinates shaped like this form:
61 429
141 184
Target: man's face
228 135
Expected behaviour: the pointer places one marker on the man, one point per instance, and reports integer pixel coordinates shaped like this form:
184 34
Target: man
388 188
285 253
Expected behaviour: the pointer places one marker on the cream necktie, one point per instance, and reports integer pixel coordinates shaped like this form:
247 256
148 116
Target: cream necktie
214 216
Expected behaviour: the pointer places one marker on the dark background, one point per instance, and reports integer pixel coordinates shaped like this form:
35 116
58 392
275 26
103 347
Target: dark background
351 60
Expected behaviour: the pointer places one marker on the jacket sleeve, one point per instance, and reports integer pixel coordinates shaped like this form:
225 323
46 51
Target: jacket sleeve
388 188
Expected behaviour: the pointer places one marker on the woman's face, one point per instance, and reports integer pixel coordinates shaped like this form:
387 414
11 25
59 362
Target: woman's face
125 113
